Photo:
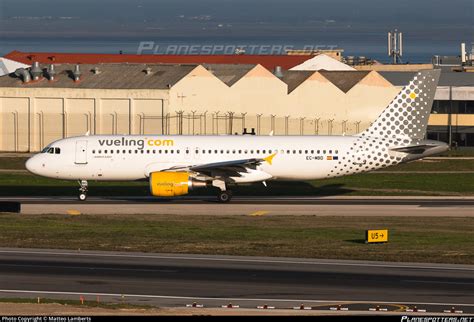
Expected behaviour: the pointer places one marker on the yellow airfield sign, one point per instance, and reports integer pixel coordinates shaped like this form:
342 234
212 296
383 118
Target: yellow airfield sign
376 236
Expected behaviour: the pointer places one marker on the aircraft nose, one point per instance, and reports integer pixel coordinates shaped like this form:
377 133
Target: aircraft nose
32 165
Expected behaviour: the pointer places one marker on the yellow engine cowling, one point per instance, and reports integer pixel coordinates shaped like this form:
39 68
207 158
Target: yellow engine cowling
171 184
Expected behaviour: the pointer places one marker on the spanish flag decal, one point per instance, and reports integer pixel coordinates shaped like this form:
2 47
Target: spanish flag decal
329 157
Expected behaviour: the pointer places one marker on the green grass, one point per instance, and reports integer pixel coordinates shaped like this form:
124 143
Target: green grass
462 152
104 305
24 184
13 163
434 165
416 239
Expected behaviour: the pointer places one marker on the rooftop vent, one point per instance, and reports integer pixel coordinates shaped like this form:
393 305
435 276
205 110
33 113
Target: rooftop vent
278 72
36 71
77 73
96 70
23 74
148 71
51 72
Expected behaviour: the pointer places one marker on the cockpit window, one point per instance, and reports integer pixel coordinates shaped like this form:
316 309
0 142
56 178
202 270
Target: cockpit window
51 150
57 151
45 150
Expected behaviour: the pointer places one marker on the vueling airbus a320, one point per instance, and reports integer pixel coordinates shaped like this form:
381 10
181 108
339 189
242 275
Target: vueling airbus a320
174 165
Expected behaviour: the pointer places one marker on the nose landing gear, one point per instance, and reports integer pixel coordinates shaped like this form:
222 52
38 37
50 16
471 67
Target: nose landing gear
82 190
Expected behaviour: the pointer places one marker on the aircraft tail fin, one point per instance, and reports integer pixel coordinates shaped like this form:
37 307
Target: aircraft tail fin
407 115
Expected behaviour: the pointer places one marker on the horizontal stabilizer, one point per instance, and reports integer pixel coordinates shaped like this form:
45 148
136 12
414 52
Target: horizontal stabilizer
414 149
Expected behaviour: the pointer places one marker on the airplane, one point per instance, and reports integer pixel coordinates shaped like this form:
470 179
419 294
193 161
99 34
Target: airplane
175 165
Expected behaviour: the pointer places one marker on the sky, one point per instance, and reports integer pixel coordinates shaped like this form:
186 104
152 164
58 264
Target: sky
443 23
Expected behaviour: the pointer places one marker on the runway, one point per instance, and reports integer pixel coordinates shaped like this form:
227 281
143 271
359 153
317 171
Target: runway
318 206
176 280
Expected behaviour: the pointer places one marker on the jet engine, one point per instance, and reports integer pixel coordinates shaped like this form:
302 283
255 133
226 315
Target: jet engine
171 184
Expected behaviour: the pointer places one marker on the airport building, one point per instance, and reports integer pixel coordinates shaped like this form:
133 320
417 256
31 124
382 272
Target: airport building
64 95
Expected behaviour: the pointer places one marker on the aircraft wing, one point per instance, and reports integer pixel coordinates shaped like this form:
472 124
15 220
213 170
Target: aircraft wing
233 168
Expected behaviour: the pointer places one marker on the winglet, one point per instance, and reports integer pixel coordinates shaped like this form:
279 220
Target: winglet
270 158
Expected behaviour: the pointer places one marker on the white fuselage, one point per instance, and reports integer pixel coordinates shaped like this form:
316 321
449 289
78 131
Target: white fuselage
135 157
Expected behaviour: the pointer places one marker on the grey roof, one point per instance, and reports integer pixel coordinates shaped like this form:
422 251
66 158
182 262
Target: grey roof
446 79
110 76
229 73
293 78
344 80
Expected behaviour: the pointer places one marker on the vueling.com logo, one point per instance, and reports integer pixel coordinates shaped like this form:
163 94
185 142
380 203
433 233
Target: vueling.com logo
140 143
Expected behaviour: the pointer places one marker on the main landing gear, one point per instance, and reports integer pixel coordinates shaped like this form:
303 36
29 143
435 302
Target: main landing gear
82 190
224 195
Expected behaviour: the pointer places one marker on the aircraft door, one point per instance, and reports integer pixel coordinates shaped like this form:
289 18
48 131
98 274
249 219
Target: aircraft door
81 152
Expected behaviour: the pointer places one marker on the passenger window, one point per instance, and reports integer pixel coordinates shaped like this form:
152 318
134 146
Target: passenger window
324 151
330 151
93 151
319 151
294 151
148 151
136 151
111 151
99 151
171 151
124 151
105 151
142 151
336 152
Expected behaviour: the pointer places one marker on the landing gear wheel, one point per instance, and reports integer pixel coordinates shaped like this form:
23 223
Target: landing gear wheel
224 196
83 190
